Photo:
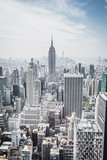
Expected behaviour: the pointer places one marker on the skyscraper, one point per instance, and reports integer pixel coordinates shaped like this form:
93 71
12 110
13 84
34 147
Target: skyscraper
16 76
92 70
1 72
52 63
104 83
73 94
30 86
101 117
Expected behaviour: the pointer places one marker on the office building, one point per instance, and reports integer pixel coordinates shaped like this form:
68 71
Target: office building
14 121
7 96
38 87
30 116
97 86
73 86
0 101
42 73
16 90
87 140
101 117
91 71
66 149
30 86
1 72
15 137
54 154
47 144
3 84
16 76
14 153
18 105
104 83
52 63
79 68
3 121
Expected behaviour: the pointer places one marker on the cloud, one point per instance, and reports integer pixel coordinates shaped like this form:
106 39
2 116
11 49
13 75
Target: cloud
26 27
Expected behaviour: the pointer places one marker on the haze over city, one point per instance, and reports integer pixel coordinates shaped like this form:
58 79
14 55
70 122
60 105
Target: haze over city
53 79
78 28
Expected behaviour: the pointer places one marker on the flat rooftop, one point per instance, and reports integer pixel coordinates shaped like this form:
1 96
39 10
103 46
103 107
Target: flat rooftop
73 75
88 126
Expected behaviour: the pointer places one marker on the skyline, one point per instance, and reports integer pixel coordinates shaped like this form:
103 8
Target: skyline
78 28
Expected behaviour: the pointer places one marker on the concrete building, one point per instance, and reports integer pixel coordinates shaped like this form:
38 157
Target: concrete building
3 121
38 87
47 144
14 122
73 86
88 114
14 153
101 118
15 137
30 116
7 96
97 86
16 76
18 105
42 73
54 154
66 149
3 84
87 140
30 86
0 101
27 151
52 63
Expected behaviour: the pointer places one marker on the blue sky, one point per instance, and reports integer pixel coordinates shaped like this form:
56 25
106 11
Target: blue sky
79 28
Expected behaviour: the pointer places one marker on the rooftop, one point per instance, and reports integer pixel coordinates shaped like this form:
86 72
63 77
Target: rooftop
88 126
73 75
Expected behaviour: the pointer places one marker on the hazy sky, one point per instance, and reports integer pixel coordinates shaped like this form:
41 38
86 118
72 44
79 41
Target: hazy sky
79 27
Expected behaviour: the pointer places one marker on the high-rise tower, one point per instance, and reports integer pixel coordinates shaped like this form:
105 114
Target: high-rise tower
52 63
104 82
73 94
101 117
30 86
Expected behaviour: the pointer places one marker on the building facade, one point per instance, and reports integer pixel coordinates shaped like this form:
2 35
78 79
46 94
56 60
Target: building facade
73 86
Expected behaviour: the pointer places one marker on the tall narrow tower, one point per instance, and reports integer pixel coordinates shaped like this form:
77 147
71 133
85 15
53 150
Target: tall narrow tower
30 86
52 63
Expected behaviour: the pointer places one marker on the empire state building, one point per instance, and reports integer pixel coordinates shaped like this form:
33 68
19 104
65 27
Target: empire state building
52 63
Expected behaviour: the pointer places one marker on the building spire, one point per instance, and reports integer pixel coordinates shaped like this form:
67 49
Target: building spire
51 41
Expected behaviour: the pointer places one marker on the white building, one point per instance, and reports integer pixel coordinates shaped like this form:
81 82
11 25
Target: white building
15 137
30 86
73 86
14 121
30 116
27 152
